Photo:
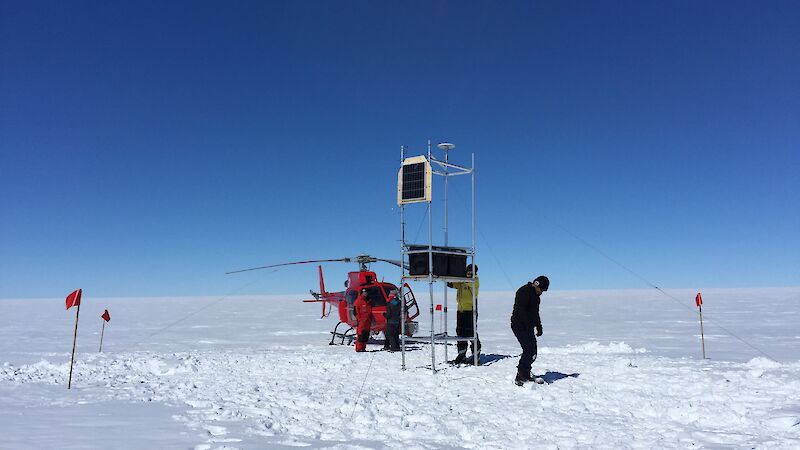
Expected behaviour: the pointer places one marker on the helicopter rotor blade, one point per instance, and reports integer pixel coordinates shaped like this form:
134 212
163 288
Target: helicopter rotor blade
291 263
393 261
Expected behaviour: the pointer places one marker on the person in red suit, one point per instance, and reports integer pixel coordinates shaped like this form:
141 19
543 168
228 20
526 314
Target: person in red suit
364 317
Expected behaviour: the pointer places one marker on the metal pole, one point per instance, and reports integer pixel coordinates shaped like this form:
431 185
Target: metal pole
430 286
702 335
444 309
74 340
475 351
430 275
445 196
103 332
402 272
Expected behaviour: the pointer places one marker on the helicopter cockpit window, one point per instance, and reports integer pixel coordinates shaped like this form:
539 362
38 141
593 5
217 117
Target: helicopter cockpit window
351 297
376 296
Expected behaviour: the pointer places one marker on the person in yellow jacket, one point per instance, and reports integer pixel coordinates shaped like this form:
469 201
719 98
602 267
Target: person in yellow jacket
464 324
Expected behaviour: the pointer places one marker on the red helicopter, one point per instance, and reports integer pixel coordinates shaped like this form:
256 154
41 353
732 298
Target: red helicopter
344 301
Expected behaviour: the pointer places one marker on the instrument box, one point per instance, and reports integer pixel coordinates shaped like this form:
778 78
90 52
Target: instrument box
444 264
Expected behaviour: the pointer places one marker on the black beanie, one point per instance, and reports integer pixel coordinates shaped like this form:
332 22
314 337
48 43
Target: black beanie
542 282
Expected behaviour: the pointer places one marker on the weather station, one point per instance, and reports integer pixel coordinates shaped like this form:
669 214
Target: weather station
429 263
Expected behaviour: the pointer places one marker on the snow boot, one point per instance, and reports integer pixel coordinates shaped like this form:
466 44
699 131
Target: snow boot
529 377
521 378
537 380
458 359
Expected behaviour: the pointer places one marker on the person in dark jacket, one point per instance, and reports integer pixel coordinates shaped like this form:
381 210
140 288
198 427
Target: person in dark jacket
392 331
364 317
525 321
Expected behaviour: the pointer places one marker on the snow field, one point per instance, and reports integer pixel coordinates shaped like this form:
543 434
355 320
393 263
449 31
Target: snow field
603 396
253 373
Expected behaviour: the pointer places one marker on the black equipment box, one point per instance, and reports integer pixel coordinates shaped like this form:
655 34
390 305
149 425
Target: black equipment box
444 264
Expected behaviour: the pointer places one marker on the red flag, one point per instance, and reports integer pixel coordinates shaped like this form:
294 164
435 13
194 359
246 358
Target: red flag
74 299
438 307
698 300
106 316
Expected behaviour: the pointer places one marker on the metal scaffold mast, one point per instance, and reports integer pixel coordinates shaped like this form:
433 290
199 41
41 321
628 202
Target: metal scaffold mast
429 263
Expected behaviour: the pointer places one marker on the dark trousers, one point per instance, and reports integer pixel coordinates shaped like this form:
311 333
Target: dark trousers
465 328
392 335
527 340
362 338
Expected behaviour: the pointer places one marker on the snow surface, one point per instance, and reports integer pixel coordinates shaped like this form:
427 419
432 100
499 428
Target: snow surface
623 369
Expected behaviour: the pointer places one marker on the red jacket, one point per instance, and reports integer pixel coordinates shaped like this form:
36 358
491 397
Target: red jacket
363 312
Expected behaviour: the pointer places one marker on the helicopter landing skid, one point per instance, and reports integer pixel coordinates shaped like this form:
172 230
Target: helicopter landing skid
349 335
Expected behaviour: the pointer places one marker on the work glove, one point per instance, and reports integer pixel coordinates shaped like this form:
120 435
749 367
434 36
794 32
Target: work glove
539 330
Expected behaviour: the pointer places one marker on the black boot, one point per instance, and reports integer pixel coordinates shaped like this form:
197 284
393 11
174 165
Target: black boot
459 359
528 376
537 380
521 378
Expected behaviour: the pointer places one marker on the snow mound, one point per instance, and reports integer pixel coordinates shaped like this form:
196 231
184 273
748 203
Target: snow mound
784 423
43 372
762 363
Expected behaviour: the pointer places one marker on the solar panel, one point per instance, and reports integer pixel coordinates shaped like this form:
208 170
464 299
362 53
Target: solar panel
414 181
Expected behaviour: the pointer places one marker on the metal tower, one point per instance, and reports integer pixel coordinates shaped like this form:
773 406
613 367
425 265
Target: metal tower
414 185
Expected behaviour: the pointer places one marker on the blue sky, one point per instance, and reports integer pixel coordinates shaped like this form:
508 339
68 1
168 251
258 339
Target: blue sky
148 147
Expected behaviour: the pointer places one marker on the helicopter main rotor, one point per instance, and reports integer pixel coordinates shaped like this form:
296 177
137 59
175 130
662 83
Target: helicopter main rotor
362 260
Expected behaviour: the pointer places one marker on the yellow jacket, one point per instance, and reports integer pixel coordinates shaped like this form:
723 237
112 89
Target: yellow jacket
464 294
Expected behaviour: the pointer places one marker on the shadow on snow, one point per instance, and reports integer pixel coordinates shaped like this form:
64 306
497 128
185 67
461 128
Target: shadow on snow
552 377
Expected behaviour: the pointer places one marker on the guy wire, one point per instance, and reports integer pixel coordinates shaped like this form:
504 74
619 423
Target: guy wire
363 382
627 269
491 250
204 307
564 229
422 222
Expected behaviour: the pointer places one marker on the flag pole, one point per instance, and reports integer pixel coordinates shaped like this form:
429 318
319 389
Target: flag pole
74 340
702 335
698 300
101 334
